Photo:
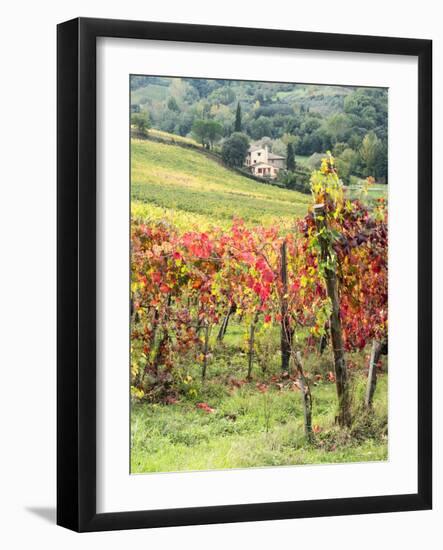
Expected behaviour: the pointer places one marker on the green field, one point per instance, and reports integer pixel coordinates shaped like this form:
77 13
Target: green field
302 160
181 437
186 186
248 428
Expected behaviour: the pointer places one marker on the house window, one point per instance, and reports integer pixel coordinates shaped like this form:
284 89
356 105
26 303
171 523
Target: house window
260 170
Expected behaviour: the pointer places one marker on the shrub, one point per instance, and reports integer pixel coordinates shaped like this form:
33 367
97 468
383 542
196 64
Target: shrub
234 149
141 122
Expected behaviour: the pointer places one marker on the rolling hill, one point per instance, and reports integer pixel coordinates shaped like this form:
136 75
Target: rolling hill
188 188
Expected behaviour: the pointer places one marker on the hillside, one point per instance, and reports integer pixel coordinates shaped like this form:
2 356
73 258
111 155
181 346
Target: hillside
188 188
315 98
351 122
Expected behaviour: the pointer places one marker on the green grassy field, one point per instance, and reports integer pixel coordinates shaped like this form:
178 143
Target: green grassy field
186 186
173 138
302 160
251 429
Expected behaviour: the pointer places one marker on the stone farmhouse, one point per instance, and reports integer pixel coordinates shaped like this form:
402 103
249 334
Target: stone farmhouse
264 164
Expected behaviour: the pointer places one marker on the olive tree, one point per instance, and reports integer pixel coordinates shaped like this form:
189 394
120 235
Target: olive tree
235 149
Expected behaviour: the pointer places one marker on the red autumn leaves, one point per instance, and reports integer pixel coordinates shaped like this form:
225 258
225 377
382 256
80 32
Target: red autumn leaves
183 282
205 407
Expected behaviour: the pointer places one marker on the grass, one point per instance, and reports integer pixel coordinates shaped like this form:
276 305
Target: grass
376 192
252 429
173 138
302 160
247 429
181 182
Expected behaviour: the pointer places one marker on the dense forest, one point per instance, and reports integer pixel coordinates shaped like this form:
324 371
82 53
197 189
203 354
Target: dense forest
304 120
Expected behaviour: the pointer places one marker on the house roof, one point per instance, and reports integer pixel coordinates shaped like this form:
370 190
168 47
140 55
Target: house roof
275 157
262 164
253 148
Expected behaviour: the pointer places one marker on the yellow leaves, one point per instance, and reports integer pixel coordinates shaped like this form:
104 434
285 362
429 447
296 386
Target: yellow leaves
134 369
137 393
136 285
327 164
325 184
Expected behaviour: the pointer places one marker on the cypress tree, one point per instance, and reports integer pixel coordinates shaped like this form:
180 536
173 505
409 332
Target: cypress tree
237 127
290 162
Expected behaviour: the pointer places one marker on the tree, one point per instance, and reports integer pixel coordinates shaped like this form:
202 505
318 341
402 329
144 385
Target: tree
207 132
338 149
347 164
311 143
141 122
295 140
290 162
381 162
213 132
173 105
199 130
238 122
369 151
337 126
260 127
235 149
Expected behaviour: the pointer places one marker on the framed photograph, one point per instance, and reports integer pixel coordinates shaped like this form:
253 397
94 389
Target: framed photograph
244 274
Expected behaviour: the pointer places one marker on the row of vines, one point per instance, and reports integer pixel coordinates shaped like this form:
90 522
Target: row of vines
326 277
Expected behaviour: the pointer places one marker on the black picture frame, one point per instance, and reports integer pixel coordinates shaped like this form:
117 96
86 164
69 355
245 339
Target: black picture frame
76 280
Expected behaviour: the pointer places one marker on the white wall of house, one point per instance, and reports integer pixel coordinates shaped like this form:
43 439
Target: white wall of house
264 170
256 156
262 155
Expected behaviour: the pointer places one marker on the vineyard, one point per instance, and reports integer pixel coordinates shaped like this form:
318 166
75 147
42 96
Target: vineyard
257 337
189 189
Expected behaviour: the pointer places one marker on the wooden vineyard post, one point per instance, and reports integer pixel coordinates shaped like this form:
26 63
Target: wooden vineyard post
286 334
159 353
251 346
372 374
330 276
306 396
205 351
224 325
